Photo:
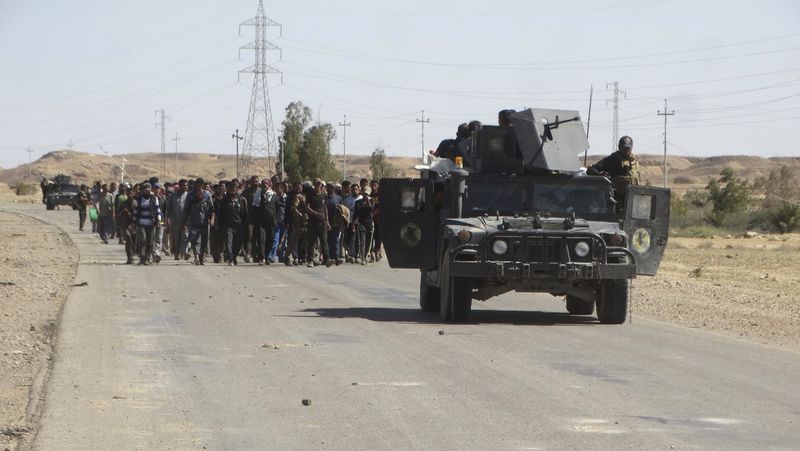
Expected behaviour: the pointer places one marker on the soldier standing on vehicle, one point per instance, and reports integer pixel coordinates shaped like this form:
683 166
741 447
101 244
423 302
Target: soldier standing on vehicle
622 169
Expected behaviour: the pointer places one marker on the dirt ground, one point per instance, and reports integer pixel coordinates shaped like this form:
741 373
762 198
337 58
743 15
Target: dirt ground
737 286
37 264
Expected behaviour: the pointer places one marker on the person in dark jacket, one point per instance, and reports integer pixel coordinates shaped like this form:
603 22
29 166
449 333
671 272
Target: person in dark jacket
276 253
621 168
364 226
318 225
217 234
263 205
233 220
197 214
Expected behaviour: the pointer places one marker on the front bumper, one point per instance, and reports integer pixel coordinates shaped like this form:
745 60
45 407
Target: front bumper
530 271
543 256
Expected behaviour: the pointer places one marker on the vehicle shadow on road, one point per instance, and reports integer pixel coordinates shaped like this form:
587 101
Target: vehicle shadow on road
407 315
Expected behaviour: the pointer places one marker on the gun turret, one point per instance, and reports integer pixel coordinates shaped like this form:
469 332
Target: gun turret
538 140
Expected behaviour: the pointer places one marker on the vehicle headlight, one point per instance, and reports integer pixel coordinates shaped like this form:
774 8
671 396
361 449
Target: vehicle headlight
641 241
464 236
500 247
582 249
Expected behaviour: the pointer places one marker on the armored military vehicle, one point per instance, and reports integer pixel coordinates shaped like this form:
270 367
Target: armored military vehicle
59 191
521 216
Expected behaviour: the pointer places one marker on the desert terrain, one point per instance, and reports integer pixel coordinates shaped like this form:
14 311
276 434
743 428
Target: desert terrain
684 172
740 286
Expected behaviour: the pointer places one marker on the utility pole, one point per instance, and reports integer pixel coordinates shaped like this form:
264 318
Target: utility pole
588 122
281 149
344 126
237 138
70 145
124 160
423 121
30 153
615 100
162 122
665 114
176 139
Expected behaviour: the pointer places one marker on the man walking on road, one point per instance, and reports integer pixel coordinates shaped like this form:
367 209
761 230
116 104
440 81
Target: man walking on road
82 201
148 215
318 225
105 212
176 203
196 217
233 219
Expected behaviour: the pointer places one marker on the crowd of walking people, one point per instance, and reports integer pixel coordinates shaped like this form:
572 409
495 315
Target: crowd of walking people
256 221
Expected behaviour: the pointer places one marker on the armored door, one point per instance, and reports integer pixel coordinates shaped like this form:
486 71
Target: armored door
408 222
646 222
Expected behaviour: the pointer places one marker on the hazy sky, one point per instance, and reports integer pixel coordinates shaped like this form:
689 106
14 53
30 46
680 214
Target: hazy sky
93 72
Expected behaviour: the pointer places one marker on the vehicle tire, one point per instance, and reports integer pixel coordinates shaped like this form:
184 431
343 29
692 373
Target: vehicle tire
578 306
612 302
429 296
456 295
51 206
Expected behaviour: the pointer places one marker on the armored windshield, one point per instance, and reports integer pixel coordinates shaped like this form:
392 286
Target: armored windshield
586 201
506 198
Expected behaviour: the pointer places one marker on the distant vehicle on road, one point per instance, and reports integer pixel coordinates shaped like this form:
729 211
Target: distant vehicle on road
59 191
521 216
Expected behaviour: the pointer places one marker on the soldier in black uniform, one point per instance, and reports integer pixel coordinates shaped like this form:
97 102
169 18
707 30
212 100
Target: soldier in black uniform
233 220
448 148
621 168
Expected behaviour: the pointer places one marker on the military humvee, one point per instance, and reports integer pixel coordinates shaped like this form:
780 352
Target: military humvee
520 216
61 191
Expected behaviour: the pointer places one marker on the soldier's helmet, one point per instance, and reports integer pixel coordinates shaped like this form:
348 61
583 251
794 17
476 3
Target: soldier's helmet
626 142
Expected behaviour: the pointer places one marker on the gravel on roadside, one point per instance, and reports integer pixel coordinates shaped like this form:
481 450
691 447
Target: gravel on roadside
38 262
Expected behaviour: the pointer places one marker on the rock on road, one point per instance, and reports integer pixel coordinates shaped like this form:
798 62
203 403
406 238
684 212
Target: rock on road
185 357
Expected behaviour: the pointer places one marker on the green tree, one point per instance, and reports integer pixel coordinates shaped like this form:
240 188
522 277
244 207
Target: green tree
298 116
729 194
781 203
315 153
379 165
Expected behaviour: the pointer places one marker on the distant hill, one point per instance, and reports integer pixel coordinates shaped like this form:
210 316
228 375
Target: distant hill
689 172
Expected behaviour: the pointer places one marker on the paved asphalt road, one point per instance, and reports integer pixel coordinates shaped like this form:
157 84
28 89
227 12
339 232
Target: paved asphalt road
181 357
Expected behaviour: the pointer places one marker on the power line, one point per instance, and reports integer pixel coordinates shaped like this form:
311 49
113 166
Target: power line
30 154
546 65
236 139
326 10
176 139
422 123
665 114
615 100
344 126
162 123
128 81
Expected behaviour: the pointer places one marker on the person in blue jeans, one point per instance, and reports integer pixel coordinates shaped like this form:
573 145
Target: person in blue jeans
278 247
335 232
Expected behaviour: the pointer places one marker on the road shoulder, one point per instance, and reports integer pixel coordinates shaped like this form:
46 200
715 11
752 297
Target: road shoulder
38 263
